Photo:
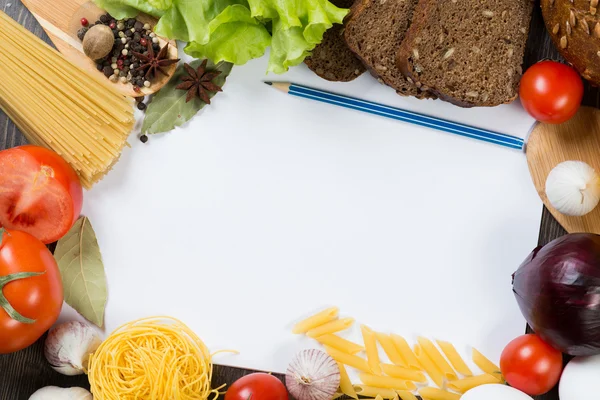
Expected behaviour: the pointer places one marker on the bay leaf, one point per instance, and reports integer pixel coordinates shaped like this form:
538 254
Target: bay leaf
80 264
169 109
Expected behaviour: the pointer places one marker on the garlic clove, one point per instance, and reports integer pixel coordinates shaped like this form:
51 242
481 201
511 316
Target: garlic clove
56 393
313 375
69 345
573 188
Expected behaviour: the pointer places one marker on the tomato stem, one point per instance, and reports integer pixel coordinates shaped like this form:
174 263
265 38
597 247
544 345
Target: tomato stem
5 304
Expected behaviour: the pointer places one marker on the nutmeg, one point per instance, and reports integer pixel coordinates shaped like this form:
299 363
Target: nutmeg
98 42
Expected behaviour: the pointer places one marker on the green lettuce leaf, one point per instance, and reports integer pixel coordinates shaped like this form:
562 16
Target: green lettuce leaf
234 36
237 31
120 9
298 27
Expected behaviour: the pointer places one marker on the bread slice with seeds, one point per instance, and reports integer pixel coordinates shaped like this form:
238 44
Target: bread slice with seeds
332 59
468 52
374 32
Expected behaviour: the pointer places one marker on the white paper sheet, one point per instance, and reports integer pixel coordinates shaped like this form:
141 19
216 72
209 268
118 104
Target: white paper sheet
266 208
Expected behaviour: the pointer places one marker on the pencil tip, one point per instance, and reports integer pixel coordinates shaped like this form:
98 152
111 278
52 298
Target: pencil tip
268 83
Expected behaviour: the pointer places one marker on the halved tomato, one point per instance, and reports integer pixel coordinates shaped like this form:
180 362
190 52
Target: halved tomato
39 192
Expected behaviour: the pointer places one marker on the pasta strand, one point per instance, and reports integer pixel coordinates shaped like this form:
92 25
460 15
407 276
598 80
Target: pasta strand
60 106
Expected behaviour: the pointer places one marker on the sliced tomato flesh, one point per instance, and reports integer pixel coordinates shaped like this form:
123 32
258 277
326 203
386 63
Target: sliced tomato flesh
31 200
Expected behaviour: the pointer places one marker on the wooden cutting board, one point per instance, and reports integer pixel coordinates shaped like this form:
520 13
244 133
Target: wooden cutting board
548 145
61 21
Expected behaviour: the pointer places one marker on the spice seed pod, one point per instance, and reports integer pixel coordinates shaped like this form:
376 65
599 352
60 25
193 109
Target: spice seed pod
312 375
98 42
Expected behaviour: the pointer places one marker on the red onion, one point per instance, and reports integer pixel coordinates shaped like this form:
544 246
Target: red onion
558 290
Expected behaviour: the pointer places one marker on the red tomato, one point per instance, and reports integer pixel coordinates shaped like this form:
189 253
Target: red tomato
551 92
37 298
531 365
257 386
39 192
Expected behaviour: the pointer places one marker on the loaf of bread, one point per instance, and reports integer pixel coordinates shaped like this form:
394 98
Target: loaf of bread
374 33
574 26
467 52
331 59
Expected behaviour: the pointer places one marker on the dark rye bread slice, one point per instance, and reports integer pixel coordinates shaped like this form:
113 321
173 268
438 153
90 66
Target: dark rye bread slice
467 52
332 59
374 32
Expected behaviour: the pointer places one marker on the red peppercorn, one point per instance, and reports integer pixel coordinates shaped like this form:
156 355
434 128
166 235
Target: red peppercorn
84 22
143 42
120 61
137 89
113 25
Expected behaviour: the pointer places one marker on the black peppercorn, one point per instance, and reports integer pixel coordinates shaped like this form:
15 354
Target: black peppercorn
127 63
156 47
116 33
81 33
99 67
107 71
128 33
141 106
138 26
137 37
143 138
130 23
98 23
139 99
105 18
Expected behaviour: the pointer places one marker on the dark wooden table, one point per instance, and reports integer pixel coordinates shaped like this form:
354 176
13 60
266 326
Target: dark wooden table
24 372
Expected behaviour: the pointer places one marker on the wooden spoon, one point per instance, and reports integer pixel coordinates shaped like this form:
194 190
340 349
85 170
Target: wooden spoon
577 140
61 21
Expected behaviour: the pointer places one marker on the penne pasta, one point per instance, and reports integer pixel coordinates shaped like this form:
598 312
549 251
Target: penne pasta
390 350
455 359
430 393
406 352
371 349
340 344
468 383
437 358
386 382
404 395
331 327
371 391
403 373
316 320
432 370
345 383
486 365
348 359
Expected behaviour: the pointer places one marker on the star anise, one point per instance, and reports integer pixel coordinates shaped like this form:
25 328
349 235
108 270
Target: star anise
152 62
199 82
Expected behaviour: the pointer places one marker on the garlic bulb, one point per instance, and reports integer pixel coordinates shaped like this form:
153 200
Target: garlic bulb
313 375
69 345
573 188
56 393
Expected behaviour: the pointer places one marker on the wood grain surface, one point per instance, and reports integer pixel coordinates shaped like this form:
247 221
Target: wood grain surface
61 19
24 372
549 145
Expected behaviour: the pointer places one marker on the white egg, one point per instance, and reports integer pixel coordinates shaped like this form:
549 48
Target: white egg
495 392
580 379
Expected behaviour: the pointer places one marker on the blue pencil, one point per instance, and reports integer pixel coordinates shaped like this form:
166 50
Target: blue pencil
456 128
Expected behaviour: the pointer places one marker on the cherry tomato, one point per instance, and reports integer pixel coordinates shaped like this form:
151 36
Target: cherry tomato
258 386
531 365
551 92
36 298
39 193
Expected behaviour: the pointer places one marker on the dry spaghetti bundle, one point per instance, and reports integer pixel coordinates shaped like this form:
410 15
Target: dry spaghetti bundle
57 105
152 359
